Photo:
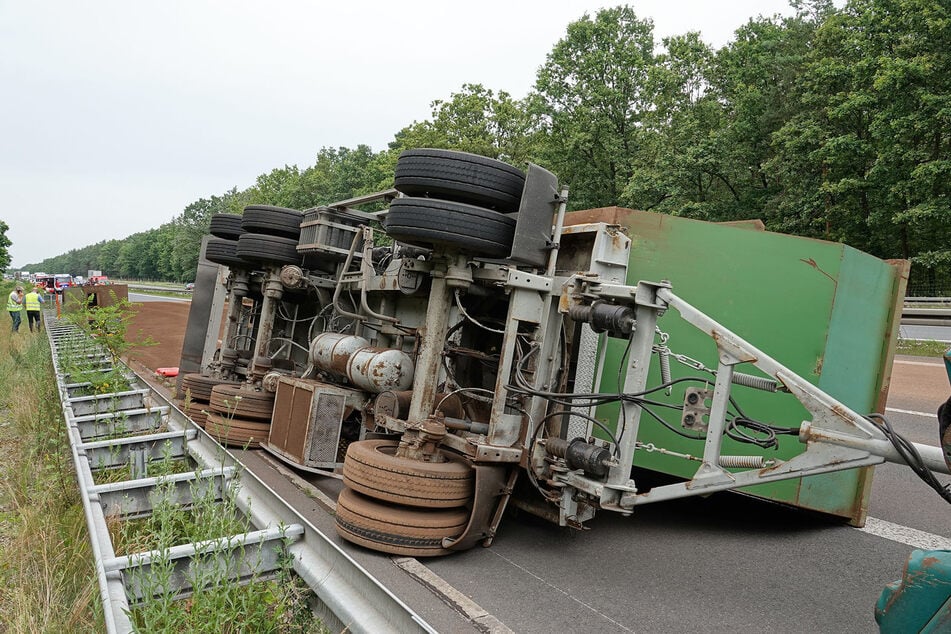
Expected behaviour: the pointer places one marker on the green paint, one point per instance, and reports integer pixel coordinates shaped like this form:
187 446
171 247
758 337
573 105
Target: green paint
820 308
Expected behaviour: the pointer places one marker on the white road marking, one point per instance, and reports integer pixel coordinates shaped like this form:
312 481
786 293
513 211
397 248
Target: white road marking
911 412
936 365
905 535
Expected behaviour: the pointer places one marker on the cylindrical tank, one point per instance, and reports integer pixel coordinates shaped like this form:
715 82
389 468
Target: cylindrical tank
367 367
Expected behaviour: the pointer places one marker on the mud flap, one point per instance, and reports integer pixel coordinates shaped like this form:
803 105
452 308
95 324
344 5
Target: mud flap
493 488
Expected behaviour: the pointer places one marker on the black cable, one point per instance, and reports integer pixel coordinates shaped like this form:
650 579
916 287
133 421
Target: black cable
679 432
906 449
620 375
592 419
734 428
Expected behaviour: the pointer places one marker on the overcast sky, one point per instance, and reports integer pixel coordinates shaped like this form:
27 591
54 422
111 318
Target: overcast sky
115 115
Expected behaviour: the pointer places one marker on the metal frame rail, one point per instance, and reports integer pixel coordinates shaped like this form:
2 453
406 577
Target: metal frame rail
129 428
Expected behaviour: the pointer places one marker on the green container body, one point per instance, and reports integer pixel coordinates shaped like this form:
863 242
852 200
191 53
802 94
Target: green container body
827 311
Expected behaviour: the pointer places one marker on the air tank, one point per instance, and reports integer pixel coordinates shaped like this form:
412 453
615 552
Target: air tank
368 367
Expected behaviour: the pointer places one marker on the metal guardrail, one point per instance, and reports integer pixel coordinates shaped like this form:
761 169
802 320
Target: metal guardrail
920 316
154 287
116 429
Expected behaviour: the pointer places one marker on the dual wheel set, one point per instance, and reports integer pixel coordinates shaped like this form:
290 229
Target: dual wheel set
263 235
453 202
238 414
456 203
235 414
401 506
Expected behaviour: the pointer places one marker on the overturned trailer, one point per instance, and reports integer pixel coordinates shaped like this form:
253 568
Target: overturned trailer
472 345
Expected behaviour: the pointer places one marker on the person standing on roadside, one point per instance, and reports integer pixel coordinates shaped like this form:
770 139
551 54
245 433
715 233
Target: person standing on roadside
15 307
32 301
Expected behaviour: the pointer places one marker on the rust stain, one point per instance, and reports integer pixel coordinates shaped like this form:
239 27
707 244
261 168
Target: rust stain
816 266
818 369
838 411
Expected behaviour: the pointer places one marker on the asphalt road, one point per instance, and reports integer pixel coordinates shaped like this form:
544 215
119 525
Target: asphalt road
725 563
926 333
143 297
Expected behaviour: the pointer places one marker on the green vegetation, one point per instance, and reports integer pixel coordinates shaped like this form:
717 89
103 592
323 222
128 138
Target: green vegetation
921 348
4 246
832 123
107 325
47 581
217 604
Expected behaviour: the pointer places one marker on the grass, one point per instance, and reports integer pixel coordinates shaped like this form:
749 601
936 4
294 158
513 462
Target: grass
921 348
47 579
216 604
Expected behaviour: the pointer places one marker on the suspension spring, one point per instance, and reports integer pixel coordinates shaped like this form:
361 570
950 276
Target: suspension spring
663 355
744 462
755 382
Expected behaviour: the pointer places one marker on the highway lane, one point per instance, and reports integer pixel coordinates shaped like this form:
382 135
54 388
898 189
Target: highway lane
926 333
144 297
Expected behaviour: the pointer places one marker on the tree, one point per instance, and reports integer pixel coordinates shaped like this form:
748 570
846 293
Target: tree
869 156
593 94
679 167
5 244
757 78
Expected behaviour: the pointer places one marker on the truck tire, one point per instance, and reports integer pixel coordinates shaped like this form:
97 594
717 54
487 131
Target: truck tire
199 386
197 412
227 226
272 221
372 468
460 177
221 251
455 226
396 529
237 432
258 247
241 402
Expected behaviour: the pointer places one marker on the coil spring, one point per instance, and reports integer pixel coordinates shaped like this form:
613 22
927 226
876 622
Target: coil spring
663 354
742 462
755 382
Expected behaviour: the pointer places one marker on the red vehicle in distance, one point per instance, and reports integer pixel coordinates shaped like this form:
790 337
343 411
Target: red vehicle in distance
54 283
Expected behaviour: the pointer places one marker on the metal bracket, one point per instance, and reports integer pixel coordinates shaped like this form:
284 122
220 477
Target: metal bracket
493 487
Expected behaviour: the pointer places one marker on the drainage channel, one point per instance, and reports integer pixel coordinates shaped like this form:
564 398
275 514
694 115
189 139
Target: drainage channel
122 433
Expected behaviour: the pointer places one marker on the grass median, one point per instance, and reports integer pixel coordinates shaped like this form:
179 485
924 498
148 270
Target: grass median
47 575
47 579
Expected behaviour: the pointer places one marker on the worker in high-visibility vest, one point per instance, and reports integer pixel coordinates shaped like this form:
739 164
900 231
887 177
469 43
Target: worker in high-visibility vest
15 307
32 301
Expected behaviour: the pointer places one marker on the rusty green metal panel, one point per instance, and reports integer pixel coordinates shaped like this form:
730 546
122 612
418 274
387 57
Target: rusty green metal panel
823 309
921 600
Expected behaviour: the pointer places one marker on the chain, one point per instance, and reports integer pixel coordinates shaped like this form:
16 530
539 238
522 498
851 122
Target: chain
652 448
663 350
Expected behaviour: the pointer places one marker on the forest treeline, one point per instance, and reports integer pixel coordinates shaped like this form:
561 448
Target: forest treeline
834 123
